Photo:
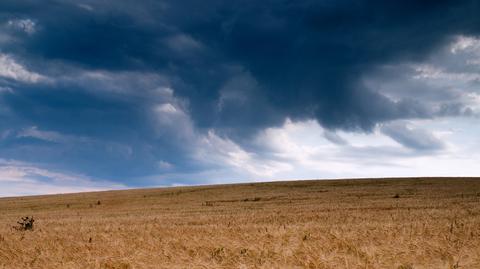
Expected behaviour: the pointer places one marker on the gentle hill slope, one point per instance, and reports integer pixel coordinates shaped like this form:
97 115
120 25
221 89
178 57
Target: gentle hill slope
381 223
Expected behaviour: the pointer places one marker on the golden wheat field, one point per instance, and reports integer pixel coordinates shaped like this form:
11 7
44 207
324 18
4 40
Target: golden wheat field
382 223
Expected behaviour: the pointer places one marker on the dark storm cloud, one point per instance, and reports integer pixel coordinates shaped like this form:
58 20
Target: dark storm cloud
306 57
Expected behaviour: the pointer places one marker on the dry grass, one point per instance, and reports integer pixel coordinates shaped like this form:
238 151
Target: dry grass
414 223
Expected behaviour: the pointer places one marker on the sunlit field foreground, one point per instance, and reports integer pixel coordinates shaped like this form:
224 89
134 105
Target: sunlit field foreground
407 223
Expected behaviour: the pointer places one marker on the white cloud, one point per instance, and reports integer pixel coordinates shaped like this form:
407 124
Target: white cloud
131 83
426 71
42 135
166 108
25 25
10 69
463 43
217 150
183 43
85 7
374 154
20 178
164 165
51 136
171 118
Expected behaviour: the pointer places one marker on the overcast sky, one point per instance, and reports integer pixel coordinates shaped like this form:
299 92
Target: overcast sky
103 94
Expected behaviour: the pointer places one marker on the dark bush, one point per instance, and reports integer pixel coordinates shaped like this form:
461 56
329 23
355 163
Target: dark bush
25 224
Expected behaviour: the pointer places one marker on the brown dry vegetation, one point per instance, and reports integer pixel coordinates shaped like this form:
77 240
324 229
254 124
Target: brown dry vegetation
407 223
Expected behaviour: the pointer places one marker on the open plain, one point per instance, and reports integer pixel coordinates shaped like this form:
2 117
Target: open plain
381 223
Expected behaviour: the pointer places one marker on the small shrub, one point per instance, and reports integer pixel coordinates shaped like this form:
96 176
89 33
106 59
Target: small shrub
218 254
25 224
306 237
396 196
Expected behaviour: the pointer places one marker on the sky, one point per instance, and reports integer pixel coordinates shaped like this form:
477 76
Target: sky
103 94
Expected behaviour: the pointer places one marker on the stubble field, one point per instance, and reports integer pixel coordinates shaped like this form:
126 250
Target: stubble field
402 223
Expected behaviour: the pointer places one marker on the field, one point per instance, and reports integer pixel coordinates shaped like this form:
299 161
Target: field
382 223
